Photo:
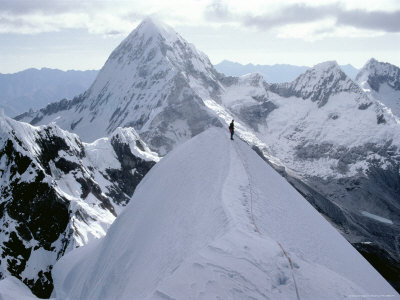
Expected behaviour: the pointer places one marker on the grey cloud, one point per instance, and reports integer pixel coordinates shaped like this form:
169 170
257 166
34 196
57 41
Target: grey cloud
378 20
218 11
134 16
15 22
302 13
297 13
18 7
113 32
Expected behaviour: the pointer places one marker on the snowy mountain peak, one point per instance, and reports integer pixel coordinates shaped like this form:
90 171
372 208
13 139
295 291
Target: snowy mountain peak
377 73
153 81
326 66
153 27
318 84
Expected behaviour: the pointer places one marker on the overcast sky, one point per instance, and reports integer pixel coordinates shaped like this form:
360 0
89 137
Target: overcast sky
79 34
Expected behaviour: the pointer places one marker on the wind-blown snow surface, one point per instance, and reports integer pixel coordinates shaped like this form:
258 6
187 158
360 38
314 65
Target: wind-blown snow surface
210 229
13 289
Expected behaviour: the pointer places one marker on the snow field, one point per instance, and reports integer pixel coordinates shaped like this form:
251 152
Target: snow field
189 233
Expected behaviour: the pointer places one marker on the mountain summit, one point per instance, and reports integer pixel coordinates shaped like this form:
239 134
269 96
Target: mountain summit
319 84
153 81
381 81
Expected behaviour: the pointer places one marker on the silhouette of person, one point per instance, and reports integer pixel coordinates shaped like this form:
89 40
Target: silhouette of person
232 129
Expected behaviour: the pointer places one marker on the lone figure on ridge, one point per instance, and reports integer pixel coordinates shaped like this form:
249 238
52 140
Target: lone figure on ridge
232 129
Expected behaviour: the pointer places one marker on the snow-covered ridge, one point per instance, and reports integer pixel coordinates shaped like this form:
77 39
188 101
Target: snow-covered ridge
319 84
344 154
381 81
376 73
214 229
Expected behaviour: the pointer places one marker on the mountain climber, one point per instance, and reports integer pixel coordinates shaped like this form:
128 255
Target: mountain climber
232 129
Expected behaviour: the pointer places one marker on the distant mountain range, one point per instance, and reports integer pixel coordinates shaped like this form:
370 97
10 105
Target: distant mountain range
277 73
34 89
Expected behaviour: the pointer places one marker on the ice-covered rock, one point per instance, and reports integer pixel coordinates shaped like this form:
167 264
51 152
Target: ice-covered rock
58 193
382 81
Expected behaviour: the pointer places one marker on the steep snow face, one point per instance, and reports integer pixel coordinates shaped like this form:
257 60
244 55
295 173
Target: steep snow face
344 155
153 81
13 289
58 193
382 82
221 224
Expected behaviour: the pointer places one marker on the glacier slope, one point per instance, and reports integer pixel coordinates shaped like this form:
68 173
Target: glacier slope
212 228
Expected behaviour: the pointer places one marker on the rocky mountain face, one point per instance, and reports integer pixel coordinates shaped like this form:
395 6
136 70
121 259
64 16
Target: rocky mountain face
377 73
58 193
382 82
153 81
334 141
319 84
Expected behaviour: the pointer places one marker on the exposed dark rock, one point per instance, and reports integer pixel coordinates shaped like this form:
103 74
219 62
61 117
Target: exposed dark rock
17 254
89 186
65 165
132 171
39 207
43 287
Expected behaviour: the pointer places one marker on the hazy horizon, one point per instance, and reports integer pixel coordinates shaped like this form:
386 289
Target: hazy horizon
76 35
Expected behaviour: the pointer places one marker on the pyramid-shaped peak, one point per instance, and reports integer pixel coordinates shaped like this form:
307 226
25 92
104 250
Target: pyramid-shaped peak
153 27
321 71
327 65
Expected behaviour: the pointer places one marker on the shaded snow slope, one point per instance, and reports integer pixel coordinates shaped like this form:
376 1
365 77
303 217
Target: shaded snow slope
13 289
57 193
212 228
